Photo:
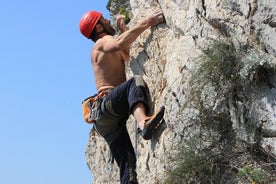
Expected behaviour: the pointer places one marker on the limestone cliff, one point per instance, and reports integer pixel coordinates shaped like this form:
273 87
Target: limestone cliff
213 66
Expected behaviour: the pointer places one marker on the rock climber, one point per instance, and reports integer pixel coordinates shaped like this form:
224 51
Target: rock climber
120 97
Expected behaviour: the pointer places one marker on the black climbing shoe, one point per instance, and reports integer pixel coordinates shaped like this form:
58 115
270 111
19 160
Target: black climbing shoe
152 123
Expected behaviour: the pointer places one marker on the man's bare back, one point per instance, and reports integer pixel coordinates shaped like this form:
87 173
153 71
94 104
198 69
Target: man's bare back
109 67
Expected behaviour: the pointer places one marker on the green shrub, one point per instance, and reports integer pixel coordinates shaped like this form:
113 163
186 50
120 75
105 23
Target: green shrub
122 11
222 73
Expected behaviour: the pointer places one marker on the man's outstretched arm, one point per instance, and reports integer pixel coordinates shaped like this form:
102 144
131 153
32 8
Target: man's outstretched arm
124 40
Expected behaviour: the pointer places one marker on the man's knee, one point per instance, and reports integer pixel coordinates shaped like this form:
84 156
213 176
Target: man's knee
139 81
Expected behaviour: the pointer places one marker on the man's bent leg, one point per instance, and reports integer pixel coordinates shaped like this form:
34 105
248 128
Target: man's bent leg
139 113
124 97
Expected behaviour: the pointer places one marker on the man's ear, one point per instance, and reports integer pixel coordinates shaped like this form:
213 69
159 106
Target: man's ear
98 28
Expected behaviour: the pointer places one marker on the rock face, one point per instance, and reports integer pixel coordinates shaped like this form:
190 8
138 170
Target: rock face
227 108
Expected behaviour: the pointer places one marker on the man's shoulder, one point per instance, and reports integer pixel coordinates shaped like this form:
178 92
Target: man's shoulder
106 37
103 40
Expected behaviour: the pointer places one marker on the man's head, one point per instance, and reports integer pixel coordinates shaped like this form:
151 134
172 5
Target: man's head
93 20
88 22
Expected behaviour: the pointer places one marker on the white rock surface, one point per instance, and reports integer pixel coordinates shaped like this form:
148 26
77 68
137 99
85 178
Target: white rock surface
166 56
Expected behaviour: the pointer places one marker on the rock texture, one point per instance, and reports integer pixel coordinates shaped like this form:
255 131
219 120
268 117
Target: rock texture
169 56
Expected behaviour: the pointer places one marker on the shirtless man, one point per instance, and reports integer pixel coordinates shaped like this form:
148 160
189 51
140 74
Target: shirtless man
120 97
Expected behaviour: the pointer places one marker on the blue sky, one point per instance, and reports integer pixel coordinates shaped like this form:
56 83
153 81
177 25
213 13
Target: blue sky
45 73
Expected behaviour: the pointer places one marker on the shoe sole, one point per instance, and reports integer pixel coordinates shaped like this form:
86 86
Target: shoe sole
149 129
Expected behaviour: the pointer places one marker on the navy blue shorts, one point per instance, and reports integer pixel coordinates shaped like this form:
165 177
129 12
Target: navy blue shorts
126 95
117 106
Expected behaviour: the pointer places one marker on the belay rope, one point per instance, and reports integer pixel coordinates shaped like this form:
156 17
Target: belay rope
136 139
109 162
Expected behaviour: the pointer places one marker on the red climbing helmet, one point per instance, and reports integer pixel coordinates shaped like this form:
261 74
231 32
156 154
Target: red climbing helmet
88 22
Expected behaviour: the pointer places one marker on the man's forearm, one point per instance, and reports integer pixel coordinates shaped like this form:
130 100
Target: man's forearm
128 37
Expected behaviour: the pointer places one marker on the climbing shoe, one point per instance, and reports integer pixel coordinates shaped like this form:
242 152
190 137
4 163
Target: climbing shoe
151 123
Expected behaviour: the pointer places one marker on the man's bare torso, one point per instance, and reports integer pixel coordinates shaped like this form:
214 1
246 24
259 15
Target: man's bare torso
109 67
